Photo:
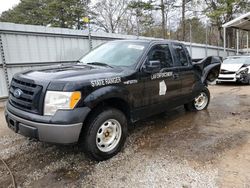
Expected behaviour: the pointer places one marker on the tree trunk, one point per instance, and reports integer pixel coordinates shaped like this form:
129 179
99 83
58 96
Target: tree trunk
230 36
78 22
163 18
220 35
183 20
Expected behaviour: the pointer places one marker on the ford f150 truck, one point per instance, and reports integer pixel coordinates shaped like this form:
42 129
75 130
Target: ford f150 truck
92 101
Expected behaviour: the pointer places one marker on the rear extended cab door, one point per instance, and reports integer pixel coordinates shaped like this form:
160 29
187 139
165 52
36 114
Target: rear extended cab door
185 68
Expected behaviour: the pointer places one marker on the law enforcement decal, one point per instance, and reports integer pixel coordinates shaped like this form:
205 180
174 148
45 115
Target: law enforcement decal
161 75
131 82
106 81
162 88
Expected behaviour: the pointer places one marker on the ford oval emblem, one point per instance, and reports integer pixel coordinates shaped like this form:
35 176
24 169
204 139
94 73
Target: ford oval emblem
17 93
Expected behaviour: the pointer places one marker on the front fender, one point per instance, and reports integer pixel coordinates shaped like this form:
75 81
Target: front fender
104 93
209 68
211 73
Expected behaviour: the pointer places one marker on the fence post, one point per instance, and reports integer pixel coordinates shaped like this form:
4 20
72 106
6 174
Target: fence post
206 39
90 37
5 69
237 41
247 42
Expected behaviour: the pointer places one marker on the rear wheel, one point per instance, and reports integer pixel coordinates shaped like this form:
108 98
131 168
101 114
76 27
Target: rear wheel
105 134
200 102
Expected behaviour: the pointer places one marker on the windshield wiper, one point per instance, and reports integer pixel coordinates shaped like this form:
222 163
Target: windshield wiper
100 64
79 63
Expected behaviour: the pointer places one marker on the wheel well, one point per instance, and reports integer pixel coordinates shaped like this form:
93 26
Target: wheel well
213 74
117 103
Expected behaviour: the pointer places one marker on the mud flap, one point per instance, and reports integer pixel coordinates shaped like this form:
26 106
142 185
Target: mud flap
209 68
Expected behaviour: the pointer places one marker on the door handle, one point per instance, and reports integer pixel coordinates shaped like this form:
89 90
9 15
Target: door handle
175 76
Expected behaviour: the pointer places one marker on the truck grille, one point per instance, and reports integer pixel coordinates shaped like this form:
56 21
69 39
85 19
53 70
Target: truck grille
27 97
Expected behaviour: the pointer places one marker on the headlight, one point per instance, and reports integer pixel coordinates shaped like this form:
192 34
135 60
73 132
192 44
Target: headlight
55 100
243 71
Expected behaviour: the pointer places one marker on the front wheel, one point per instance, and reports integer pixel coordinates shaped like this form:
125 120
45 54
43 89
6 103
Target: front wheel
105 134
200 102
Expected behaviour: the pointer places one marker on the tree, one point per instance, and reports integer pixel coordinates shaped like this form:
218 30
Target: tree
107 14
141 15
222 11
58 13
66 13
26 12
163 18
165 7
169 6
197 28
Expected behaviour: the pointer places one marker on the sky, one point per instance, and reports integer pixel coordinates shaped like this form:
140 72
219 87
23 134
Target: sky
7 4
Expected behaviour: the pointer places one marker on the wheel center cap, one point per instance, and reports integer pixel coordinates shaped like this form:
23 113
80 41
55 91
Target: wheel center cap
106 134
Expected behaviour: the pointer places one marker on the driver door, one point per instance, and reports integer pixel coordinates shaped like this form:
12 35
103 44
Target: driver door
162 86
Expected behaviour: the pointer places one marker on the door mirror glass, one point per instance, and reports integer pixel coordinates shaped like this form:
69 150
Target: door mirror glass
153 66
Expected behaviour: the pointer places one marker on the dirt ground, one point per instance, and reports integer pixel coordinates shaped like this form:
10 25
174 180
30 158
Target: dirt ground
174 149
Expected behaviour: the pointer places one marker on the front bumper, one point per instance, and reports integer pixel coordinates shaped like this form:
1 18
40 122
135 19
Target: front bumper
233 78
227 78
50 130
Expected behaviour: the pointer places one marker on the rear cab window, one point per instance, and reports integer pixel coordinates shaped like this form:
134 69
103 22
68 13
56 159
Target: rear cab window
181 55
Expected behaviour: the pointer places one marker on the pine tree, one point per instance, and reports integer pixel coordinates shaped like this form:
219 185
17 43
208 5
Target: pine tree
57 13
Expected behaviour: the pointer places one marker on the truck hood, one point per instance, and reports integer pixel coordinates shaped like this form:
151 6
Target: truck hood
73 76
73 72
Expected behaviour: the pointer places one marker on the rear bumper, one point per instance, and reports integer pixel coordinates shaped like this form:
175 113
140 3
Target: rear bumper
64 132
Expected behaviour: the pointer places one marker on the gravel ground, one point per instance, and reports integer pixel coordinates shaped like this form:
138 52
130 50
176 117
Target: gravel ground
174 149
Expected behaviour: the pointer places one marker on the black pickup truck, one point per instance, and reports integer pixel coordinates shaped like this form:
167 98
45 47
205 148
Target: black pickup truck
93 101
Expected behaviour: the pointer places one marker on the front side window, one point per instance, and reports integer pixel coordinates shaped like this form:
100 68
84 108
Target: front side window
116 53
161 53
181 56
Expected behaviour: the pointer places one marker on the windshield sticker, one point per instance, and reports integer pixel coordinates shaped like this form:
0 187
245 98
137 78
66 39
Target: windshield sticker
162 88
106 81
137 47
161 75
131 82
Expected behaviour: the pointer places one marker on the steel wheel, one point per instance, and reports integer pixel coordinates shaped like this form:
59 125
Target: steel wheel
108 135
201 101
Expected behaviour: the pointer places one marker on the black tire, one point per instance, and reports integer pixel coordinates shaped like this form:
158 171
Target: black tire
191 105
89 138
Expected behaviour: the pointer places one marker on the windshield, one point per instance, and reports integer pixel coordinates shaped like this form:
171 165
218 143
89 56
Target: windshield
237 60
115 53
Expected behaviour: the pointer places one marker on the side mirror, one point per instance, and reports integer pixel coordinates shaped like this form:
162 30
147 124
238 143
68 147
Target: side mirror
152 66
